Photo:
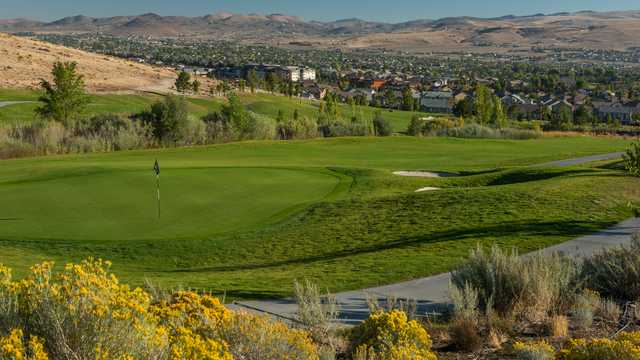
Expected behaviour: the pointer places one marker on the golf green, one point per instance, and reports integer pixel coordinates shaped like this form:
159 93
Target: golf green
104 204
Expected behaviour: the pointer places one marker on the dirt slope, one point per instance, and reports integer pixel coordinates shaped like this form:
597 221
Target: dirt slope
23 62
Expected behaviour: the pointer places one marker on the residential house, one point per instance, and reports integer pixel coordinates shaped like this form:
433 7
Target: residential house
437 102
616 111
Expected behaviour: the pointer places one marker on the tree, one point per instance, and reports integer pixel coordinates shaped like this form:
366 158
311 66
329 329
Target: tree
167 118
243 123
416 126
64 99
196 86
498 116
271 81
252 78
483 104
389 98
463 108
183 82
242 84
381 126
407 100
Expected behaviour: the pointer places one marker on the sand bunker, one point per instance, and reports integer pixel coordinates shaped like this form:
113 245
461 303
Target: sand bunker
425 189
424 174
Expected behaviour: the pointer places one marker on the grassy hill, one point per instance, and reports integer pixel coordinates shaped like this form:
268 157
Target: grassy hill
264 104
249 218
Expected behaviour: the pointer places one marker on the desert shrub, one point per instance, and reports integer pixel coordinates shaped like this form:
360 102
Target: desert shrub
558 326
615 273
483 132
315 312
540 350
253 337
303 128
343 128
465 334
219 129
264 128
506 282
194 132
496 339
390 303
585 306
465 302
610 311
625 346
390 336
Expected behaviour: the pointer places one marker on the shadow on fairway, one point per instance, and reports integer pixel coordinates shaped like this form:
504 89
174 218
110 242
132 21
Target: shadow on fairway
522 229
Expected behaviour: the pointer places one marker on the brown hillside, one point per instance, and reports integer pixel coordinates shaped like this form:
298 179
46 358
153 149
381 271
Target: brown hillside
23 62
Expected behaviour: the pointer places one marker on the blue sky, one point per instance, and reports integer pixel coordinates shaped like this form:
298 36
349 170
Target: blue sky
381 10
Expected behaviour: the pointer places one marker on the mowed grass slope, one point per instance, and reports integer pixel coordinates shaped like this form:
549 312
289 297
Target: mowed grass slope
249 218
265 104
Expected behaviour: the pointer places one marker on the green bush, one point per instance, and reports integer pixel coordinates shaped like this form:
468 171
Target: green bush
167 118
381 125
632 159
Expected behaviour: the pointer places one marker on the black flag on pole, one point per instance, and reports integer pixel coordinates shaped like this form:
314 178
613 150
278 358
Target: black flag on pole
156 169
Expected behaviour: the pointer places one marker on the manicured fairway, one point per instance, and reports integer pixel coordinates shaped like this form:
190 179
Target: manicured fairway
249 218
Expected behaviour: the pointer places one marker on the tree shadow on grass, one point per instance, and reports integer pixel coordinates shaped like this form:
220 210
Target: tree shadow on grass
510 229
518 177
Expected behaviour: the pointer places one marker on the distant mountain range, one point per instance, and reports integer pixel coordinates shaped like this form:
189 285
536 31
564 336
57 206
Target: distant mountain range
600 30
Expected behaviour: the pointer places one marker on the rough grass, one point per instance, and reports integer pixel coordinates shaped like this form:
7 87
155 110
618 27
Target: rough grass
335 213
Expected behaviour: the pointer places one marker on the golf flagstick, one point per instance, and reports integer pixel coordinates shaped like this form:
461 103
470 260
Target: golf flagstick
156 168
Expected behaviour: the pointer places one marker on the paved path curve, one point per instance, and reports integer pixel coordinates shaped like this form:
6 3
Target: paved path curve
431 292
7 103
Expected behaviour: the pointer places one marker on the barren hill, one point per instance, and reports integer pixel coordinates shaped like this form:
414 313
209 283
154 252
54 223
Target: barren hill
585 29
24 61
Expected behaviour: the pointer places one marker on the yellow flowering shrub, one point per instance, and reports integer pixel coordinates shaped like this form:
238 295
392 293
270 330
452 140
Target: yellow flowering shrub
12 347
539 350
625 347
254 337
186 345
191 310
84 312
391 336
